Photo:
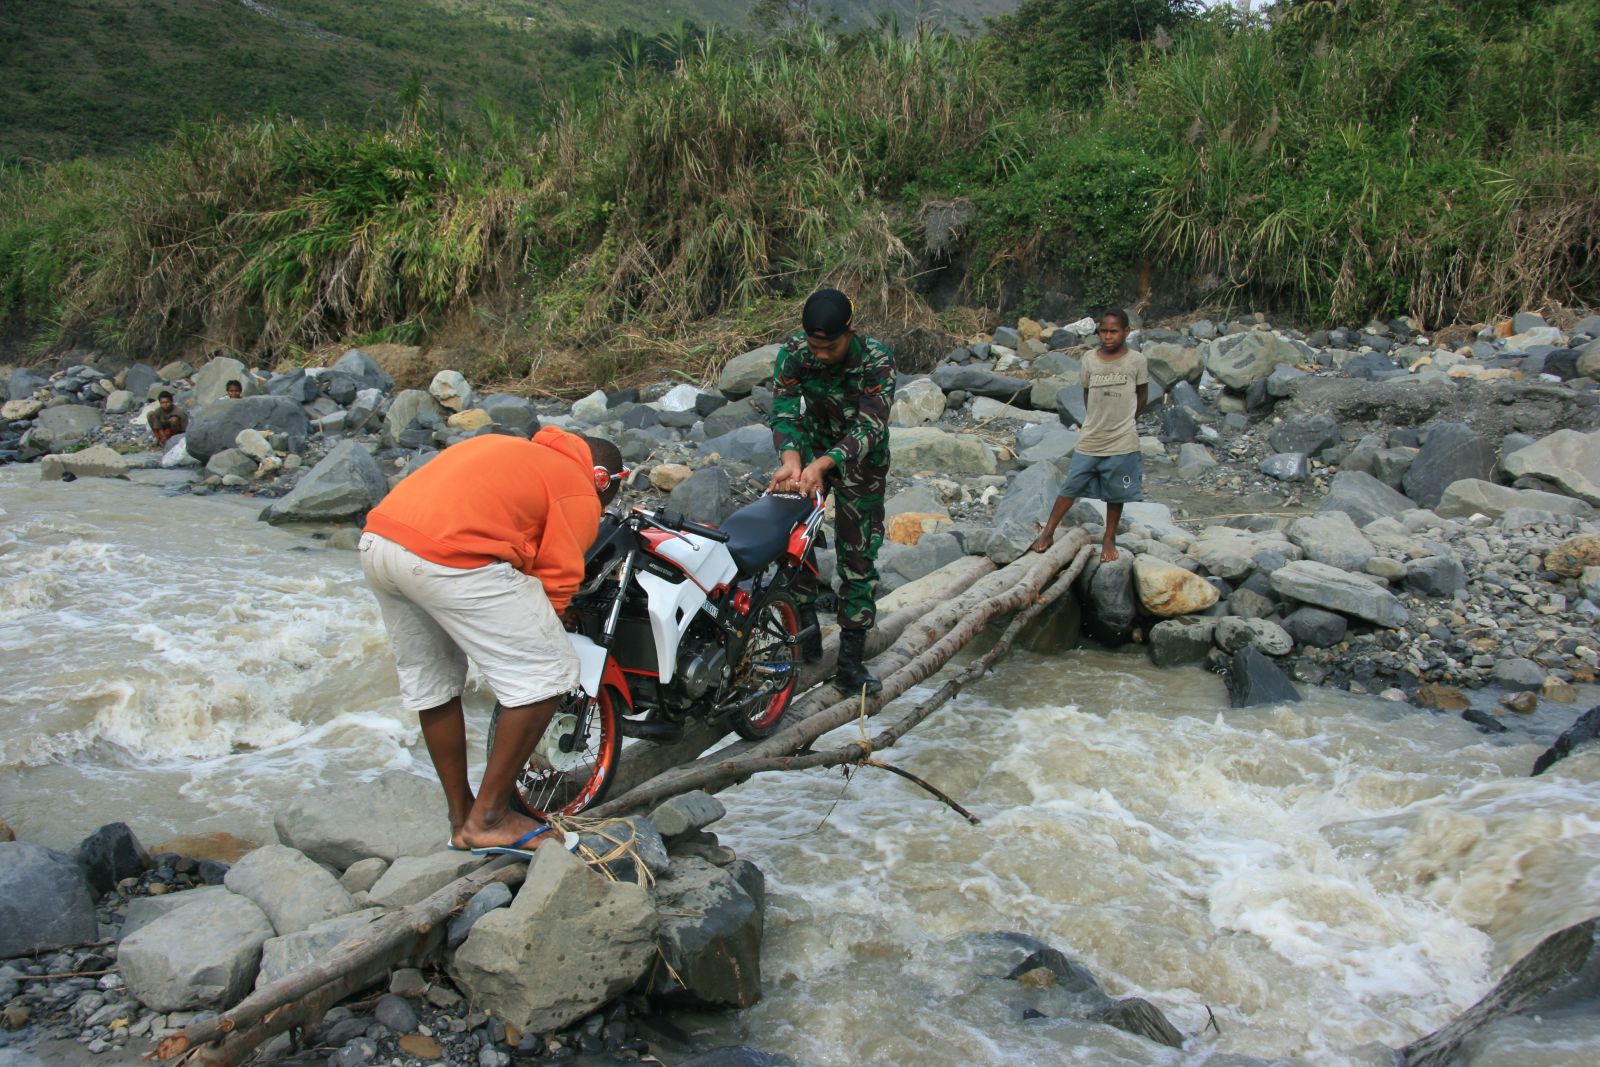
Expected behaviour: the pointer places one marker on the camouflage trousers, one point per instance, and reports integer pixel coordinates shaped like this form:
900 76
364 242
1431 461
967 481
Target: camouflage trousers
858 534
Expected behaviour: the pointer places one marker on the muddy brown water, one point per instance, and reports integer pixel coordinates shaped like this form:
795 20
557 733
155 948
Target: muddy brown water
1319 876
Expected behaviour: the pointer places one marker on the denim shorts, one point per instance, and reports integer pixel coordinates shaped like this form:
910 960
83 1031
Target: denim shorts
1113 479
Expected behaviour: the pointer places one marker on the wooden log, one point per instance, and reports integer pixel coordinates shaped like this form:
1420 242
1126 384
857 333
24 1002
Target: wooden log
924 647
300 998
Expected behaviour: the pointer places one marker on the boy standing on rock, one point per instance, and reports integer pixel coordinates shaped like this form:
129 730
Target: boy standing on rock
1106 464
475 556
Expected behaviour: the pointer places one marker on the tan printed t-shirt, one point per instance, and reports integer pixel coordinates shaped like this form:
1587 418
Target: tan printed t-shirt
1109 390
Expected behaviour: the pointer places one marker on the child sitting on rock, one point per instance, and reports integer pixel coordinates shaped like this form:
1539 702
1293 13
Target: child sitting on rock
1106 464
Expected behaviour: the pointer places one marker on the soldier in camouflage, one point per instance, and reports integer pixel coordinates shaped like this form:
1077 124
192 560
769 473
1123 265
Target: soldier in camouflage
832 388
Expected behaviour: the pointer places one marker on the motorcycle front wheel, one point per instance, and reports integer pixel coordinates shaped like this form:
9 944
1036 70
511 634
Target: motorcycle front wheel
768 669
572 764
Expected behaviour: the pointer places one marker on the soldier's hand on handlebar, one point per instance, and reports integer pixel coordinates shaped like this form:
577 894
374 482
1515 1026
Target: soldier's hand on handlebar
787 474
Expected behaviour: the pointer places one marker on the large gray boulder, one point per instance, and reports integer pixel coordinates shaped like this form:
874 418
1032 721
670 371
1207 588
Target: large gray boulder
1113 605
396 814
1022 511
1322 586
1474 496
410 406
710 939
452 390
1240 363
1364 498
1567 458
204 955
1174 642
65 424
979 382
1453 451
917 403
45 899
345 485
23 382
924 448
569 943
1254 680
96 461
1170 363
282 956
747 444
291 888
1308 434
142 911
705 496
741 374
512 412
216 426
1331 537
413 878
362 367
211 381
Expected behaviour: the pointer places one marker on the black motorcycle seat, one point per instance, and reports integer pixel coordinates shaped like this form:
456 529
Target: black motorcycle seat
759 532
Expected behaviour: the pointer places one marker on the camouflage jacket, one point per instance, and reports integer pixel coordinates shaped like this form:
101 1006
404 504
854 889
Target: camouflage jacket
842 410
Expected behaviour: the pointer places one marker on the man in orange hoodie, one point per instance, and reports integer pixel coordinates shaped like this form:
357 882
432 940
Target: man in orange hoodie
476 555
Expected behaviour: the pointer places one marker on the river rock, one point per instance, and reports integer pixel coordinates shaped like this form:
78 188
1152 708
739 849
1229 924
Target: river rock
1113 605
1315 628
1238 364
231 462
1138 1016
357 364
512 412
1169 363
1560 977
65 424
1224 552
705 496
1021 512
1453 451
1309 434
1363 498
748 444
710 939
1047 443
1567 459
742 374
1331 537
96 461
23 383
1572 556
451 389
282 956
45 899
1323 586
1435 576
924 448
362 875
346 484
1167 590
408 406
917 404
1474 496
491 897
1583 733
733 416
396 814
975 381
1174 642
203 955
686 813
1233 633
413 878
211 381
1286 467
120 402
1253 680
292 889
216 426
109 855
522 963
1518 674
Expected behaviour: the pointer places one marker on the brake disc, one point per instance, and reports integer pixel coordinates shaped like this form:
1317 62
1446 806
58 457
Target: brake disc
558 737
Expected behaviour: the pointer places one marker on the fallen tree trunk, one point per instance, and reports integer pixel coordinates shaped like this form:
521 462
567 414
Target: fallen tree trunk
923 648
298 1000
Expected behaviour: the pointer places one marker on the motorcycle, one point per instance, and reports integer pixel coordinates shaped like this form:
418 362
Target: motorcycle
675 622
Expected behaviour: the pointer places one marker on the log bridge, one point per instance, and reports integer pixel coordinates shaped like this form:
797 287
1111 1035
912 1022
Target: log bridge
920 628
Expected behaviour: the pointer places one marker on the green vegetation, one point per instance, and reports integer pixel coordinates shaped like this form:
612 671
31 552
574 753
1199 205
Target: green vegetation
1342 159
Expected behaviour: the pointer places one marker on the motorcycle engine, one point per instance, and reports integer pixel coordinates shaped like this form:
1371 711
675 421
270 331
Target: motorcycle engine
704 662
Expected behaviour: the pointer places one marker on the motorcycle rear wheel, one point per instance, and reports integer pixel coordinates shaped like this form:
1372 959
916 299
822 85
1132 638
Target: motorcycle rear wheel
561 780
769 667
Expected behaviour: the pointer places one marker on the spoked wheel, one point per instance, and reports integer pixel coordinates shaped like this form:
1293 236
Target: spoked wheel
572 764
765 679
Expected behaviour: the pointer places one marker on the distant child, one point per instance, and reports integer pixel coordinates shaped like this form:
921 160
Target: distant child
235 390
1106 465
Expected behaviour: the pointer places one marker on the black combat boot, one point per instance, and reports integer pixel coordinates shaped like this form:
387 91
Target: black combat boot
810 633
852 673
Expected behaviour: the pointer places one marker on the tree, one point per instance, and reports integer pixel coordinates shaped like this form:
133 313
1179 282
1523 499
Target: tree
1065 46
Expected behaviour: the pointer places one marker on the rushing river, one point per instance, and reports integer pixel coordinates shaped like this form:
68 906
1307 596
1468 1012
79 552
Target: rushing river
1318 876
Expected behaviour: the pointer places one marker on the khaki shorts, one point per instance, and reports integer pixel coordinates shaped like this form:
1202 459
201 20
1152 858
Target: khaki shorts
438 617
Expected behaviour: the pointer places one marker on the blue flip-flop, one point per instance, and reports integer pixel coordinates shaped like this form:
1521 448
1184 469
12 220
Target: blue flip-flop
569 841
451 846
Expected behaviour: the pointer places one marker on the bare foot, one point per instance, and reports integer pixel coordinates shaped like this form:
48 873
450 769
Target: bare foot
1108 553
506 830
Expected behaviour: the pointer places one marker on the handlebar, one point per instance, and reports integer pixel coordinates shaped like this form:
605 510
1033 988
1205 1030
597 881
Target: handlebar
674 520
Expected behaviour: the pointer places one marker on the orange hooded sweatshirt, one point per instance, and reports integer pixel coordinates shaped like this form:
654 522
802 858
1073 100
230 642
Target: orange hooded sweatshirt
489 499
